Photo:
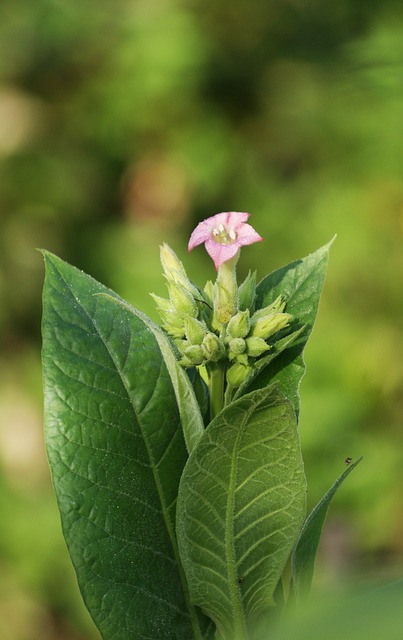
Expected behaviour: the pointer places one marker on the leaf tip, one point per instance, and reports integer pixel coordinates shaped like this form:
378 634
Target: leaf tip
48 256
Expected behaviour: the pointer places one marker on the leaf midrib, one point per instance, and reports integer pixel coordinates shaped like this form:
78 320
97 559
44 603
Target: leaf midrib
239 622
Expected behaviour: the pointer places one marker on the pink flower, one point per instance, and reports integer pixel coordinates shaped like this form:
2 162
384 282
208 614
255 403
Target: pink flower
224 234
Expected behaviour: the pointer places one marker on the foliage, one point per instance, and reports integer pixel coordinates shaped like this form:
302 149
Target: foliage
125 123
160 540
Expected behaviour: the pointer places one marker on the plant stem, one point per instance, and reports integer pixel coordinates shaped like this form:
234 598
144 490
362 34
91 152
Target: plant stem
226 299
216 385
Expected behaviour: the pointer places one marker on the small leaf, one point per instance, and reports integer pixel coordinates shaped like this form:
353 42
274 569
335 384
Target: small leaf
241 504
304 554
116 452
300 283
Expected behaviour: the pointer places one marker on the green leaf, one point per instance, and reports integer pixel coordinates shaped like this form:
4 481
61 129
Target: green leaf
189 409
300 283
201 392
116 452
241 504
304 554
262 363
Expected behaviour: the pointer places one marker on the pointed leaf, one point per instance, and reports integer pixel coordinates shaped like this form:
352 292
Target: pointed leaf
304 554
241 504
300 283
191 418
116 451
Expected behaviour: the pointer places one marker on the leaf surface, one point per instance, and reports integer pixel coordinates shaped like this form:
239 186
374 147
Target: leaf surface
300 283
189 409
116 452
241 504
278 347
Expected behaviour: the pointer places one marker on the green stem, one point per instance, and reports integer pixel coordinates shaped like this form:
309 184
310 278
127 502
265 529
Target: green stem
226 298
216 386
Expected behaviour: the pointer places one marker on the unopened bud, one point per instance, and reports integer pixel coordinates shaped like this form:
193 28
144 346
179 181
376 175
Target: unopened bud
275 307
246 292
243 359
237 373
173 324
183 301
194 330
212 348
236 347
209 292
256 346
206 305
239 325
267 326
162 303
194 355
170 262
175 271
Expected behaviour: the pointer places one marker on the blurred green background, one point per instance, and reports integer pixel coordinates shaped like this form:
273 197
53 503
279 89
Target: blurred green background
122 124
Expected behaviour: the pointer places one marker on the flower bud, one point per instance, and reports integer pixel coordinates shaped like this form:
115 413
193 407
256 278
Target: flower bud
212 347
239 325
182 301
256 346
275 307
170 262
246 292
236 347
266 326
194 330
243 359
209 292
236 374
205 305
193 355
175 271
173 323
162 303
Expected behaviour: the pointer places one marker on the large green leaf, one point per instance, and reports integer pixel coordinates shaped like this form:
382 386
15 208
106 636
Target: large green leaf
304 553
241 504
300 283
189 409
116 451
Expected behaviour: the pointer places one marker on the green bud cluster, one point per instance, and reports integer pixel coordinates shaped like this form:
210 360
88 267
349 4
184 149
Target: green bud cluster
211 325
184 297
246 336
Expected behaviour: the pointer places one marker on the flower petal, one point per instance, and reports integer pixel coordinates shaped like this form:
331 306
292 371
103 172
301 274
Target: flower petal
223 235
236 218
200 234
247 235
221 252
